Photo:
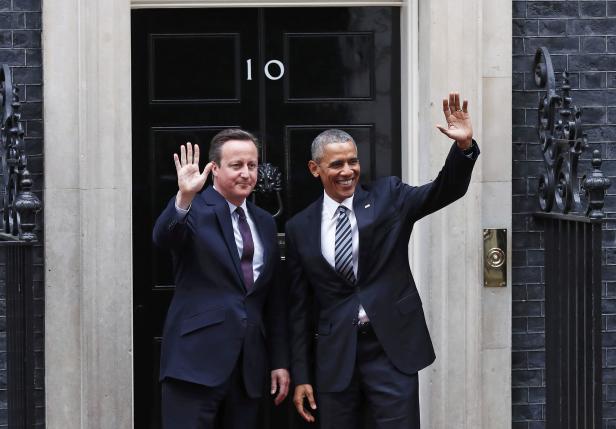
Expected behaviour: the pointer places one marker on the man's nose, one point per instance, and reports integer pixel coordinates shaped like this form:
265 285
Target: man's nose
346 169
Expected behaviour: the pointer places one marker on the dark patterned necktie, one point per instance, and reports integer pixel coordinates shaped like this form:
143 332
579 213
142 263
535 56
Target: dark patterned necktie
248 249
344 245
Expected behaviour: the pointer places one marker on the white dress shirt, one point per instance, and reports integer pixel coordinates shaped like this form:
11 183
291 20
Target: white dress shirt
257 257
329 218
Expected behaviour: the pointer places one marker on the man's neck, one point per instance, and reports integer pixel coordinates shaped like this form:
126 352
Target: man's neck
235 202
336 199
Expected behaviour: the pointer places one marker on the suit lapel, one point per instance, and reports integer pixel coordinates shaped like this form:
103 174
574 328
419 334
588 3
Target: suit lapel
221 208
363 206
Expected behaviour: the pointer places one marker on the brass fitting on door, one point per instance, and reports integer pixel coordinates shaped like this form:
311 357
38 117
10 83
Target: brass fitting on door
494 257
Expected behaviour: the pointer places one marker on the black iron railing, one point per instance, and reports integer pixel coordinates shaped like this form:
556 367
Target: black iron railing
572 213
17 238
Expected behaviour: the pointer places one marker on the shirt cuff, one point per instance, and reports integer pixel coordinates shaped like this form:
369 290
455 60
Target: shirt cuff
472 151
182 213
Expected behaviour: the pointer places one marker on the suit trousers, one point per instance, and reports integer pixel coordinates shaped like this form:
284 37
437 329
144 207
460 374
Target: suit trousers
193 406
390 396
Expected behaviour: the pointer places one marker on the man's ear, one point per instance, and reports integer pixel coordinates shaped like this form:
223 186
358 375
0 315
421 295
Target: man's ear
314 168
214 168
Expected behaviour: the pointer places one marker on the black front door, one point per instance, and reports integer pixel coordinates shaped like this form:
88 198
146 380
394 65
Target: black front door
284 74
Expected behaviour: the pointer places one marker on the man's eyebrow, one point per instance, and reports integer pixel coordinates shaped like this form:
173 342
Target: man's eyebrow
340 161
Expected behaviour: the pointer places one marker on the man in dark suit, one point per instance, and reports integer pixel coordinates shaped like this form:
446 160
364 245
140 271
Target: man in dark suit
228 311
348 260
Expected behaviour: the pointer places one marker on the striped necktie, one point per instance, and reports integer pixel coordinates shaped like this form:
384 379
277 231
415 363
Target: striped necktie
344 245
248 248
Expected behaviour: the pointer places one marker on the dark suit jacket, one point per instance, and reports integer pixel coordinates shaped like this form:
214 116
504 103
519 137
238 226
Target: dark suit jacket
212 318
385 211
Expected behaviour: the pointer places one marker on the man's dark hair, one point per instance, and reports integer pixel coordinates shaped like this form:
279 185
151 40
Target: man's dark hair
224 136
330 136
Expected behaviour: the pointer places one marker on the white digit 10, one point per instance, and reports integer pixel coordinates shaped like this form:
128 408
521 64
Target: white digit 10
266 70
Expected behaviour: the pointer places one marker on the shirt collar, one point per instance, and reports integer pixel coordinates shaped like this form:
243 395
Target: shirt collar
232 207
330 206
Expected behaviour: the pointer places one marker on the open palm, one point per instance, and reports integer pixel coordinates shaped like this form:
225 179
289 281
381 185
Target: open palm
459 127
190 180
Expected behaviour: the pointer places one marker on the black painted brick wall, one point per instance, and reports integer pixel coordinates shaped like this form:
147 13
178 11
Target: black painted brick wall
20 48
581 36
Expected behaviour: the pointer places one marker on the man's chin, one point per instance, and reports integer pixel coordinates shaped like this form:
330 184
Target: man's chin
344 195
347 192
244 192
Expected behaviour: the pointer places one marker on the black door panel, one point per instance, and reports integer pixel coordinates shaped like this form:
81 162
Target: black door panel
182 72
343 66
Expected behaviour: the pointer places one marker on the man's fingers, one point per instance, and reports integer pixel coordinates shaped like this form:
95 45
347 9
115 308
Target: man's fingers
280 383
283 391
196 159
306 415
446 108
456 102
298 399
442 129
452 103
206 172
465 106
274 384
176 160
189 153
183 155
311 400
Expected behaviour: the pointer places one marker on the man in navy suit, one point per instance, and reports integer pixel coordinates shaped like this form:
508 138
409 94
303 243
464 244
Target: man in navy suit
357 325
227 321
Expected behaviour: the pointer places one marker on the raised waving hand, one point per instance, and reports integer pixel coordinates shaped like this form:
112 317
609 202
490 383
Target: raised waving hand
190 180
459 127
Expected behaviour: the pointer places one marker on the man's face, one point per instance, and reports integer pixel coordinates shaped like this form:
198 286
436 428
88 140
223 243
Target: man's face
236 175
338 170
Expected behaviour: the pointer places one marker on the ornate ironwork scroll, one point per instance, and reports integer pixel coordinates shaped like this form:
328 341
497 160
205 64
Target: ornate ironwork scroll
20 204
572 213
562 142
269 181
17 238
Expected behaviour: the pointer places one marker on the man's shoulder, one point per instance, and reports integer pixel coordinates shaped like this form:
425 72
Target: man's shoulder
379 185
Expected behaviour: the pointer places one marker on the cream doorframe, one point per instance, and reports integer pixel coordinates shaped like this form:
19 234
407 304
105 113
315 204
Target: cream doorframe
88 252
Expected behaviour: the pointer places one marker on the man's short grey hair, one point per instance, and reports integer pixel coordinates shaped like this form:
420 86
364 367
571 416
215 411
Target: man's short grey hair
328 137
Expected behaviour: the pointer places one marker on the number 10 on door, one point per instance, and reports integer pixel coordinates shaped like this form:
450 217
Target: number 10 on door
273 69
